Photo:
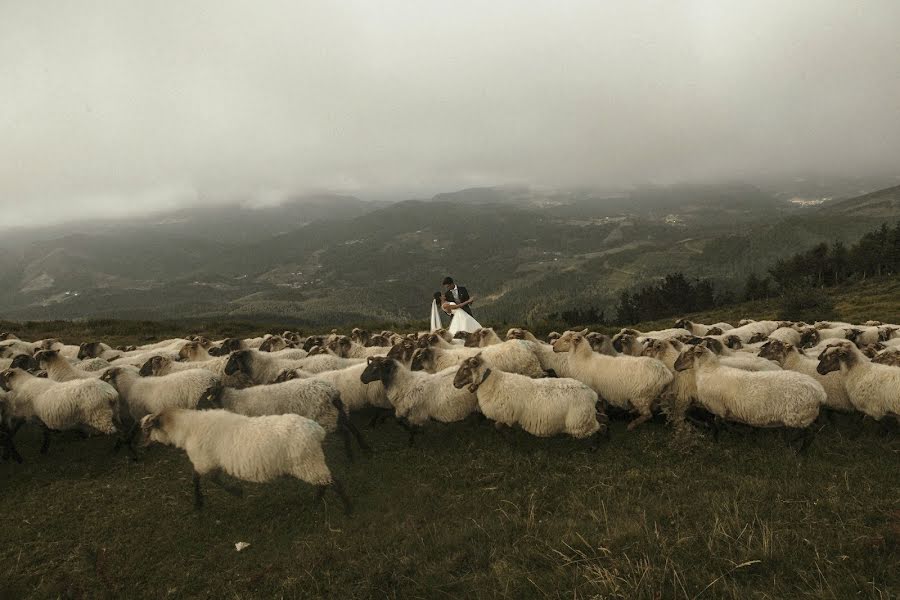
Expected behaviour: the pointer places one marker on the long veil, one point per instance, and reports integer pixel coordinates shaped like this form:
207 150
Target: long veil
435 316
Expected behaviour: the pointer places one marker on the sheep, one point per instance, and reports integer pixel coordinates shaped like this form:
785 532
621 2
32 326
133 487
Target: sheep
97 350
865 336
141 396
66 350
310 398
261 368
13 348
60 369
24 362
434 340
794 359
83 404
682 390
514 356
163 365
517 333
634 382
737 360
92 364
601 344
256 449
483 338
625 343
759 399
418 397
258 366
888 356
747 331
346 348
873 389
542 407
700 329
273 344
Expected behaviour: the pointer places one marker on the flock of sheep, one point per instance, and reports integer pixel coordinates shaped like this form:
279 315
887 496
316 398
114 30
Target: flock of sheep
260 408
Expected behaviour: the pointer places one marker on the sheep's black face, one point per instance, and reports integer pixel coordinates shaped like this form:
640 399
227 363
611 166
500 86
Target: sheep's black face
713 331
685 360
87 350
25 362
465 375
774 350
421 358
378 369
515 334
6 378
682 324
151 367
734 342
758 337
473 339
237 362
109 376
830 359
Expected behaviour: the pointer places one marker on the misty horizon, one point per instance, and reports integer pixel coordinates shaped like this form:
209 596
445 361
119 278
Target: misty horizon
113 111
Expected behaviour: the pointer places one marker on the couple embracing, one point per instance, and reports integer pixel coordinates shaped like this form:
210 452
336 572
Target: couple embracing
456 302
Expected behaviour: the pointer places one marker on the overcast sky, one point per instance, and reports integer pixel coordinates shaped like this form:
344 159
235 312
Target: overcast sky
108 106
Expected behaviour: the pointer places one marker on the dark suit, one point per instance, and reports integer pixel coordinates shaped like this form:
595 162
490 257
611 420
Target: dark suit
463 296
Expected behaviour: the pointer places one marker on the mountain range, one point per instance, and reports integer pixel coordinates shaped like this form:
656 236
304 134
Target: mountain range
330 259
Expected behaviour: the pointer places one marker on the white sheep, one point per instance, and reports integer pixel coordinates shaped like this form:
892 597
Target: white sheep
873 389
83 404
417 396
513 356
310 398
627 382
141 396
542 407
256 449
60 369
793 359
759 399
260 367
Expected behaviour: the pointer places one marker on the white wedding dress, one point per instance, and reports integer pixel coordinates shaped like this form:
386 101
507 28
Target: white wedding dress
462 321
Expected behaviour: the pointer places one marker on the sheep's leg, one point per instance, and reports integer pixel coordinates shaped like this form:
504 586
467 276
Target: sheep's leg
233 489
198 494
806 438
9 447
357 434
717 427
45 442
641 419
411 429
345 435
339 490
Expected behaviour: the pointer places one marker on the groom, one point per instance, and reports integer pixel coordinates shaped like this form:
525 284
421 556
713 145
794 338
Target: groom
456 293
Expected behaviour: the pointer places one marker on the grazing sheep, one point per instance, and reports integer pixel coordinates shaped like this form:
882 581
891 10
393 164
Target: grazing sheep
873 389
794 359
84 404
417 396
542 407
700 329
260 367
888 356
163 365
142 396
759 399
97 350
256 449
346 348
310 398
514 356
682 390
634 382
60 369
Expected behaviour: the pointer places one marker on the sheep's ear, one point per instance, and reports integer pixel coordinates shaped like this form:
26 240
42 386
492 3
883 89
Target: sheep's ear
370 360
583 331
150 421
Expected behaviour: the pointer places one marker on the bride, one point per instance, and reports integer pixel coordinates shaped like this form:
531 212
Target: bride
462 321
